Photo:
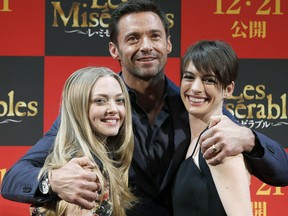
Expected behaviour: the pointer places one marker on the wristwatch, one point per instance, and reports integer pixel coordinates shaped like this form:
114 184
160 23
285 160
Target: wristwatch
44 185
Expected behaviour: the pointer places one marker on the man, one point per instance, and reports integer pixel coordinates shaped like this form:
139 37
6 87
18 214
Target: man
140 41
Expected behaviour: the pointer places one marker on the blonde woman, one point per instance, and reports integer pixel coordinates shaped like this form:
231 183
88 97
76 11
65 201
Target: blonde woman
95 123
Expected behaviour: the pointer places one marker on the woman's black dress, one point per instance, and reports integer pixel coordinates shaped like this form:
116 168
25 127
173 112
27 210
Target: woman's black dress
194 192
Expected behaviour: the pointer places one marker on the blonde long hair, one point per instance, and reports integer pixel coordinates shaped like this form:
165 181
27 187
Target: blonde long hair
76 138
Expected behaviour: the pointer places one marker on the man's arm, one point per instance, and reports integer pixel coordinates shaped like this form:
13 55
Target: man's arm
20 183
272 167
266 158
74 182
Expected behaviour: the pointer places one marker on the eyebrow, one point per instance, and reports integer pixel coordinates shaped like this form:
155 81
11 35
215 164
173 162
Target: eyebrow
105 95
201 73
188 72
135 32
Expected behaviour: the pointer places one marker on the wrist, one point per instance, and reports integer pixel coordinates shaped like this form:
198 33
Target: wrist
250 141
256 149
44 184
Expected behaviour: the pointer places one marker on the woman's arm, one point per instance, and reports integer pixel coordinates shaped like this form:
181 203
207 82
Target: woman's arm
232 181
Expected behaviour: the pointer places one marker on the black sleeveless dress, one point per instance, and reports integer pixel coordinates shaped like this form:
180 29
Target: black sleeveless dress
194 192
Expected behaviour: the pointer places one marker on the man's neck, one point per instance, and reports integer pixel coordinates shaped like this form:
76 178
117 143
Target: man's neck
150 94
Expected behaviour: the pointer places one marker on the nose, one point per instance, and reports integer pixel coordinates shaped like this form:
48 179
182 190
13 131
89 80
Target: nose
197 85
146 44
112 108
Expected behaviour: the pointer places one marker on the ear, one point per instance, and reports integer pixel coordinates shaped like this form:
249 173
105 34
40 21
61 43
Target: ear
114 51
169 45
229 90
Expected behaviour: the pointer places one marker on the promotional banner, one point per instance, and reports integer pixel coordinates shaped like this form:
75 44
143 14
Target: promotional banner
43 42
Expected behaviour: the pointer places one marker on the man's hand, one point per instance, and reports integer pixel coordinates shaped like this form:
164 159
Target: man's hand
225 138
76 183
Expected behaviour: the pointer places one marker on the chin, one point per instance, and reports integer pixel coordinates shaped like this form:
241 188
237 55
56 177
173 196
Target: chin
111 133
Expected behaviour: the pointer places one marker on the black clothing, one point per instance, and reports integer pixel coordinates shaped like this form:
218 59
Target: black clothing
157 153
194 191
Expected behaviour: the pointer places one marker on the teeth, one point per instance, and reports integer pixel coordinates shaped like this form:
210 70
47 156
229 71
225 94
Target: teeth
110 120
196 100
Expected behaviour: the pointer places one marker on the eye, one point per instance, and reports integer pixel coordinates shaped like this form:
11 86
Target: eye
120 101
210 80
132 39
155 36
188 76
99 100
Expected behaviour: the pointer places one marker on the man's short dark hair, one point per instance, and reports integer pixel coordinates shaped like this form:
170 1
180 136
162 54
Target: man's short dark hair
134 6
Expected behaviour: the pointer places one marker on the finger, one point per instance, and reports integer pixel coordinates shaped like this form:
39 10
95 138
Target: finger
91 175
84 162
211 152
85 204
90 186
214 120
214 149
87 191
207 140
94 183
217 159
89 195
81 196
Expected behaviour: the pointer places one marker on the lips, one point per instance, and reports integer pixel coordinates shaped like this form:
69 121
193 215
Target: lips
146 59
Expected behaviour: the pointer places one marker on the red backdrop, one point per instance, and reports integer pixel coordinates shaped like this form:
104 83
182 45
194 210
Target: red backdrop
39 49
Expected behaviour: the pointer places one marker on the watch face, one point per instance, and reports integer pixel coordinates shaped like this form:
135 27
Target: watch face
44 187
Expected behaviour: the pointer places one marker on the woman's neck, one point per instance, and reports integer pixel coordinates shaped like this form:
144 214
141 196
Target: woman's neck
197 125
200 123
